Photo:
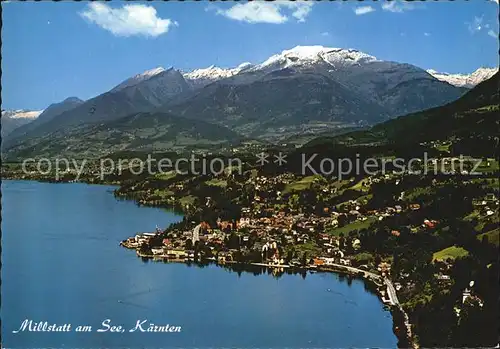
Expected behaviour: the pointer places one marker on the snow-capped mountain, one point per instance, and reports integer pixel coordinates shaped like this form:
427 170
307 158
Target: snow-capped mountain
286 92
310 84
303 56
465 80
358 71
155 86
148 74
14 119
202 77
48 114
21 114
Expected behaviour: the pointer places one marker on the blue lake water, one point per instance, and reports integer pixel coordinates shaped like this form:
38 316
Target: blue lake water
61 263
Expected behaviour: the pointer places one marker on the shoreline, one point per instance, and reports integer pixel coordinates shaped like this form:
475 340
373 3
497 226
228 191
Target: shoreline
400 320
399 316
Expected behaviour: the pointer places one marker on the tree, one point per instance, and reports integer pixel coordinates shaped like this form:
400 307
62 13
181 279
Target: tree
304 258
189 244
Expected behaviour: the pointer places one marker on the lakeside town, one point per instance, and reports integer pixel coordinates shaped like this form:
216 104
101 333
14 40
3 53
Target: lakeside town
393 229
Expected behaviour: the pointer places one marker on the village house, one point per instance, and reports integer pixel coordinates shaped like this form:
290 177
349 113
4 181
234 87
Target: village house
384 268
158 250
176 254
224 257
414 207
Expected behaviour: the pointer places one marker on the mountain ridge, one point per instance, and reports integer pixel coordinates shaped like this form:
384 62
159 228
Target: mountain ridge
472 117
465 80
354 89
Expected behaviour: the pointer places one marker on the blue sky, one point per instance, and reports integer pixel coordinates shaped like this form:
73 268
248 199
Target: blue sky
55 50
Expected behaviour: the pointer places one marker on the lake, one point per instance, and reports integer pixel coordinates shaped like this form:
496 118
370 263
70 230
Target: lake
62 263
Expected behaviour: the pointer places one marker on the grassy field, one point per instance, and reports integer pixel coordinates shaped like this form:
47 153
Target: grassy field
416 192
187 200
304 183
363 200
166 176
362 186
491 183
492 236
451 252
163 193
358 225
444 147
217 183
309 247
488 166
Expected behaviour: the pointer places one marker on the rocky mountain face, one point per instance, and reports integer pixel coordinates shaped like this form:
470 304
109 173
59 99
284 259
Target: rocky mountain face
155 86
465 80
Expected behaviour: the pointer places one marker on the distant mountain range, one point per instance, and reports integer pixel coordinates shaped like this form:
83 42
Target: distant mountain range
465 80
46 115
305 90
13 119
472 118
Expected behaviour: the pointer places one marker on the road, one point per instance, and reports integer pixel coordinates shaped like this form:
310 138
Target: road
391 291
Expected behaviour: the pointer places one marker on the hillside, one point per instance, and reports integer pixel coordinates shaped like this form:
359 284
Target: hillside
150 132
473 115
10 124
14 119
135 95
281 103
48 114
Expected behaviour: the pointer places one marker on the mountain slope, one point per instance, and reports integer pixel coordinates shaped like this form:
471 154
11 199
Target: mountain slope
48 114
14 119
383 82
313 85
155 86
139 132
473 116
132 96
136 79
201 77
280 102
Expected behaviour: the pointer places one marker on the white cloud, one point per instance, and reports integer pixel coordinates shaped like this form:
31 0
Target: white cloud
494 1
476 25
128 20
427 34
397 6
268 12
325 34
363 10
300 9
